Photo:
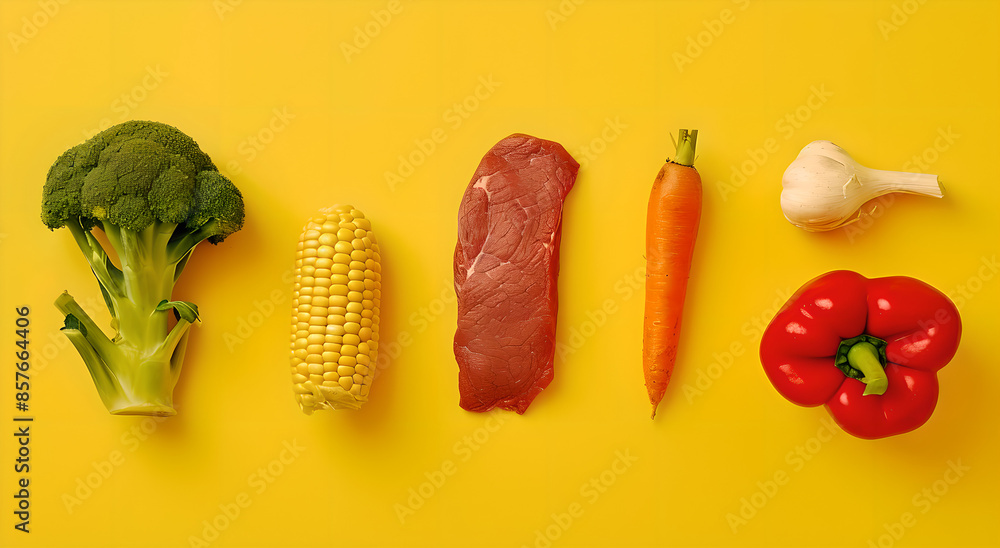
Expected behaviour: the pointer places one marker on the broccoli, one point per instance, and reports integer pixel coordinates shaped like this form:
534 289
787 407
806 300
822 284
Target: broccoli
156 196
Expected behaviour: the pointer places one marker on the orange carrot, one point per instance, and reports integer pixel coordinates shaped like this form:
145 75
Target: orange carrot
671 228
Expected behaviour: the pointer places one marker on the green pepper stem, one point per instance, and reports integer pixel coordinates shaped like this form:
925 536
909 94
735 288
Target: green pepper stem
864 357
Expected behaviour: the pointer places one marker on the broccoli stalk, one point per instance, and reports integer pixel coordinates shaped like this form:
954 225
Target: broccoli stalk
156 196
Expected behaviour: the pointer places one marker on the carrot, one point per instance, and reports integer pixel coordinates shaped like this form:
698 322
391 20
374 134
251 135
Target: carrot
671 228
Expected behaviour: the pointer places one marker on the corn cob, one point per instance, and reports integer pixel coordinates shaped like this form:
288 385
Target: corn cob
336 296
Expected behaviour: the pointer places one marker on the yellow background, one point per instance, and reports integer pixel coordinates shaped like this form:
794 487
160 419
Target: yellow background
611 81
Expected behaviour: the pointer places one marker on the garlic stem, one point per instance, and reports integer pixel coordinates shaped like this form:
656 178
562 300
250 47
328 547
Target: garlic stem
901 181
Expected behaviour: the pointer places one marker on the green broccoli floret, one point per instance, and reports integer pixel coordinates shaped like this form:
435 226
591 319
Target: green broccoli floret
156 196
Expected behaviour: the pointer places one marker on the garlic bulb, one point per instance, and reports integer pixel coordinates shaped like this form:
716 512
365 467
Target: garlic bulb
824 188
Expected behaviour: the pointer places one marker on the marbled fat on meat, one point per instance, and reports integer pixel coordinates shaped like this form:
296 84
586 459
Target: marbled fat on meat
506 266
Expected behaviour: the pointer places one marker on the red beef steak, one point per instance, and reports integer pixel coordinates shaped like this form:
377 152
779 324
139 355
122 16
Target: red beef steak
506 265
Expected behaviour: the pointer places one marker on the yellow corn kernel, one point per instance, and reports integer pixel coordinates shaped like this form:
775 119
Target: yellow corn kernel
335 296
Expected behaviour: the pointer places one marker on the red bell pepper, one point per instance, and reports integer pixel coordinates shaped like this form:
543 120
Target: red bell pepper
869 349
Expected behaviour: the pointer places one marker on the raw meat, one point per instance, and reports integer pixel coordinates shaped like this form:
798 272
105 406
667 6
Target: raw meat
506 265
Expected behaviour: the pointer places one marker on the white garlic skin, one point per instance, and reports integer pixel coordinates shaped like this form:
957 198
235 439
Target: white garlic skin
823 188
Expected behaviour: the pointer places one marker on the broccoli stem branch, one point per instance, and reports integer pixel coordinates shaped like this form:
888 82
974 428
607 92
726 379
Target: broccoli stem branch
106 272
104 378
177 344
101 343
181 248
176 336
